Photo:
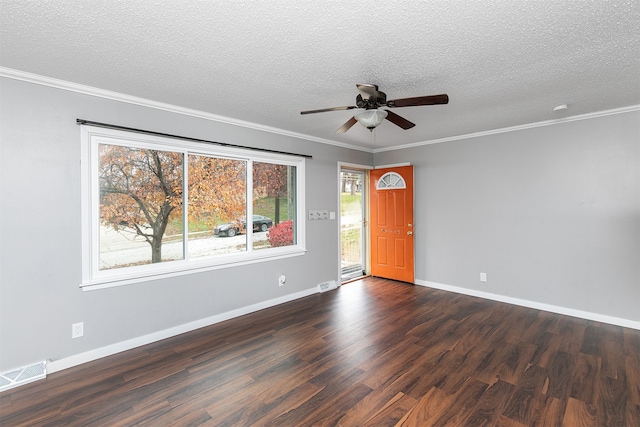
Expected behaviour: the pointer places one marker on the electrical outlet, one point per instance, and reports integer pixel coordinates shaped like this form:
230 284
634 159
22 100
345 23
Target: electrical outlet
483 277
281 280
77 330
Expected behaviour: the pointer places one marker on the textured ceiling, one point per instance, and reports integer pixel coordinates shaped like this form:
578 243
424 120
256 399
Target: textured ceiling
503 63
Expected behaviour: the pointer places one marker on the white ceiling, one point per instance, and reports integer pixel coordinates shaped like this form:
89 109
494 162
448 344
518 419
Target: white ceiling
503 63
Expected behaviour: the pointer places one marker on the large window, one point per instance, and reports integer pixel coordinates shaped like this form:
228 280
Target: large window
155 206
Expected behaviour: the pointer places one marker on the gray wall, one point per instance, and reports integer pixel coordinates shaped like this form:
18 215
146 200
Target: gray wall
40 253
551 214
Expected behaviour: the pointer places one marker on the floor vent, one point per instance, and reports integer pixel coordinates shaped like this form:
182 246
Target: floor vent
21 376
327 286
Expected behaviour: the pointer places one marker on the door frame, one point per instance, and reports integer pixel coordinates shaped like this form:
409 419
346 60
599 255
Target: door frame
367 254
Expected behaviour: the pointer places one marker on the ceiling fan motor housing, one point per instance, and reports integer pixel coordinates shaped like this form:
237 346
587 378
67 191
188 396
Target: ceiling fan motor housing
372 102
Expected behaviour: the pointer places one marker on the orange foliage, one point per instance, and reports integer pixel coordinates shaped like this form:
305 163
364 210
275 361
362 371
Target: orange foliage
217 189
141 190
270 178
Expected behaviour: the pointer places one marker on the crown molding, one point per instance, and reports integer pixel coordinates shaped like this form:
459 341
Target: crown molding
586 116
116 96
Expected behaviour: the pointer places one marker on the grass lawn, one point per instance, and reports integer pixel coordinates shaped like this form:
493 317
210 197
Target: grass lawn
350 203
267 207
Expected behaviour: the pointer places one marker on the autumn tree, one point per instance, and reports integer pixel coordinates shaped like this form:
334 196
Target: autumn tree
273 180
141 191
351 180
217 189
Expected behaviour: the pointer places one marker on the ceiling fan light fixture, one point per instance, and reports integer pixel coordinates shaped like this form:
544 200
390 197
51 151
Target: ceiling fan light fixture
371 118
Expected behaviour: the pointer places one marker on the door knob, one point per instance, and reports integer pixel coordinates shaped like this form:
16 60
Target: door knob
410 233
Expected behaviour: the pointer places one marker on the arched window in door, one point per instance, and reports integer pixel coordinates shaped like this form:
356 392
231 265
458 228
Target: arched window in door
389 181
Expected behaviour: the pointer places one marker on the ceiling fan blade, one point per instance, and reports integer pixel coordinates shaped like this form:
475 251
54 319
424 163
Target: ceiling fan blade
345 127
419 100
398 120
350 107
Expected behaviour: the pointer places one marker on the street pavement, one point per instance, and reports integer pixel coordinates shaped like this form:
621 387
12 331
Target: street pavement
122 248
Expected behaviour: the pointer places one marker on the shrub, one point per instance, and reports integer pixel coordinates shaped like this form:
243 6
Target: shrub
281 234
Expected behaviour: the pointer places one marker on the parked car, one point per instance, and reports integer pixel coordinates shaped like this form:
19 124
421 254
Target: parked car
260 223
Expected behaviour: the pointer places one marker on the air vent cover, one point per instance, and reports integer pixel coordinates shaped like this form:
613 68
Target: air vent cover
327 286
21 376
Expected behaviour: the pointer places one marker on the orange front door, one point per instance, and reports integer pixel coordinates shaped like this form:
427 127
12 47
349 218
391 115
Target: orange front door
391 228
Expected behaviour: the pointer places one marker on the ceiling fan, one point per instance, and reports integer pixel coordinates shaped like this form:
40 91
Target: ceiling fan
370 98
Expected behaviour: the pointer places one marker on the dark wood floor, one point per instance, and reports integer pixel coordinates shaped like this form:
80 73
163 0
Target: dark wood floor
372 353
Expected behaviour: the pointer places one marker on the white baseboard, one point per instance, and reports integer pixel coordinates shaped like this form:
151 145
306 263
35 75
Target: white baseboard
532 304
78 359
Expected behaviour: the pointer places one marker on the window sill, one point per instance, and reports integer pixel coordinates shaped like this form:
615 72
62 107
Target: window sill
185 269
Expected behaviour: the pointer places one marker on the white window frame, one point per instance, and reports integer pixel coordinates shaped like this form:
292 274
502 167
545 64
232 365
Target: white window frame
94 278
